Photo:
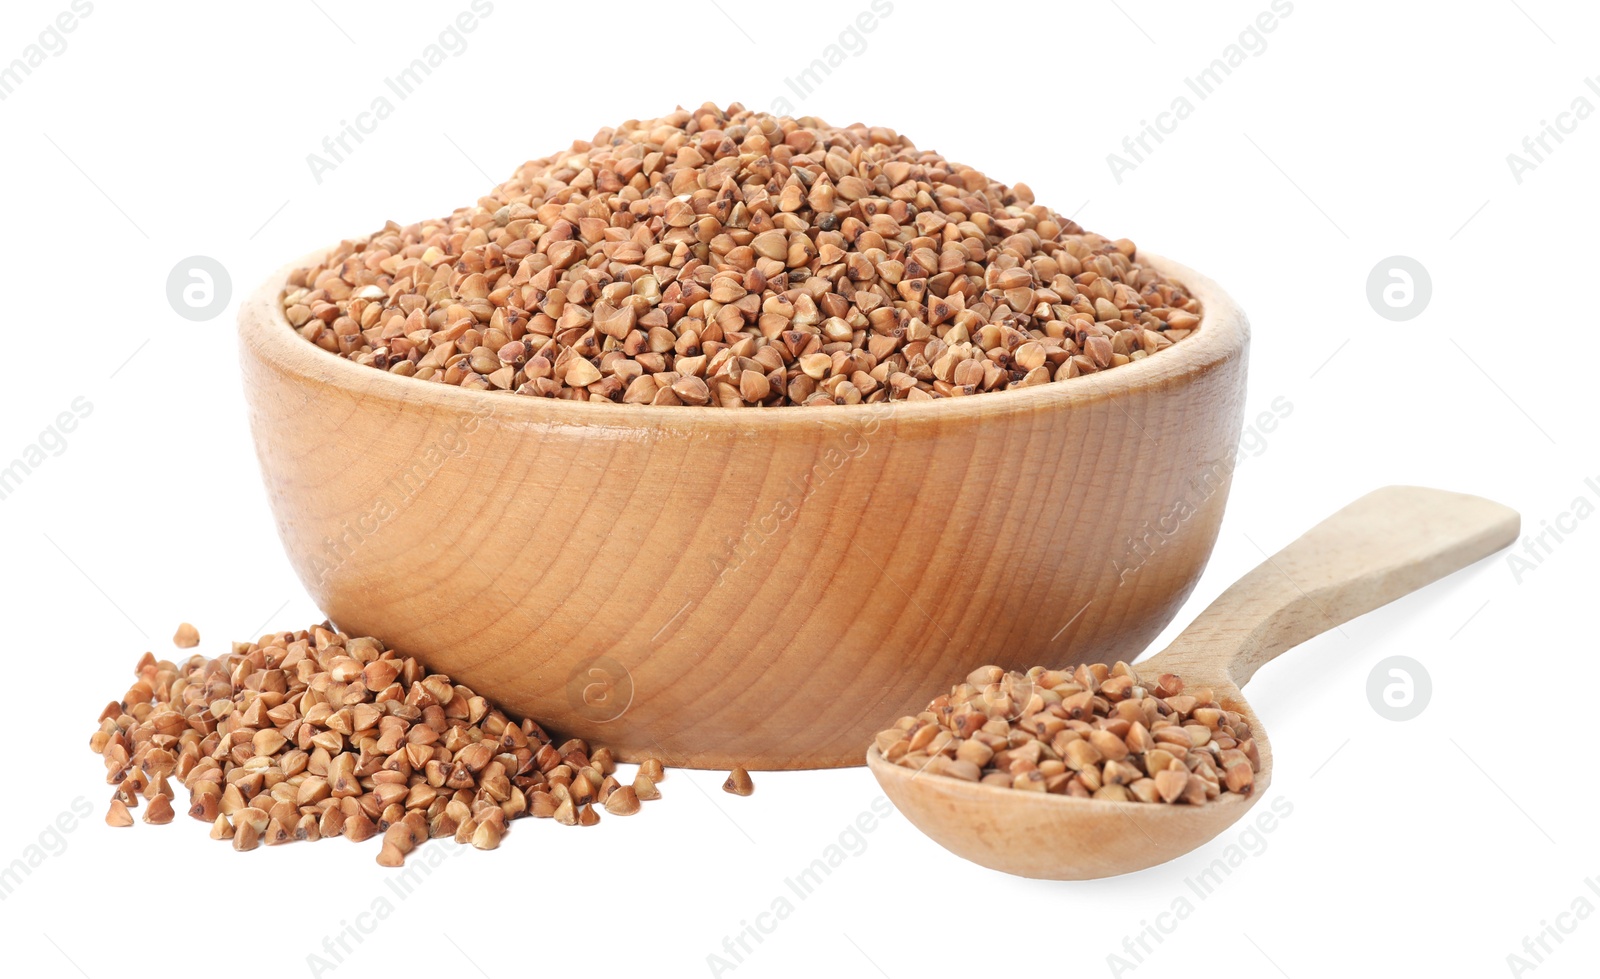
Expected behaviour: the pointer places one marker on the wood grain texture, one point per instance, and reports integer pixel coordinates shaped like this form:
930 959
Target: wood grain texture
759 587
1380 548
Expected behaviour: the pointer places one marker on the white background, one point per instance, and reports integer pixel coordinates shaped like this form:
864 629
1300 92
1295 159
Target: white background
1363 130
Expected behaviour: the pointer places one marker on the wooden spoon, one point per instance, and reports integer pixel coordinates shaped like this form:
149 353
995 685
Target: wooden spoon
1385 545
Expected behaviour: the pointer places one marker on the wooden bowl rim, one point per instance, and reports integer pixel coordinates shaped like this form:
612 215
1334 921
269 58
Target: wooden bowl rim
1222 334
993 795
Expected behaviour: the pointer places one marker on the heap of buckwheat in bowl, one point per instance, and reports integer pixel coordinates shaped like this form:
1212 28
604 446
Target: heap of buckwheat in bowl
1093 732
733 258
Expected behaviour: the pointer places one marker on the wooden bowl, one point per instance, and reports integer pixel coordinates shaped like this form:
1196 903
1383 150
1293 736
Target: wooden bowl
763 588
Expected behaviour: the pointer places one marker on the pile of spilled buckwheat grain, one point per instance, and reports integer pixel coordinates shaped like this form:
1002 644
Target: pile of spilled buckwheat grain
1095 732
313 734
731 258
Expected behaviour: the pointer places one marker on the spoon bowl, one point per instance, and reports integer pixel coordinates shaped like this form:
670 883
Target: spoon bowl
1057 837
1380 548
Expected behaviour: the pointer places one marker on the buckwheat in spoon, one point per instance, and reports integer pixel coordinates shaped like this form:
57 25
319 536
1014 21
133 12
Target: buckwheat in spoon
1098 771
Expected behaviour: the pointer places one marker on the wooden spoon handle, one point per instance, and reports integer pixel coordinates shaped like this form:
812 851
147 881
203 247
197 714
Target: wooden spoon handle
1385 545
